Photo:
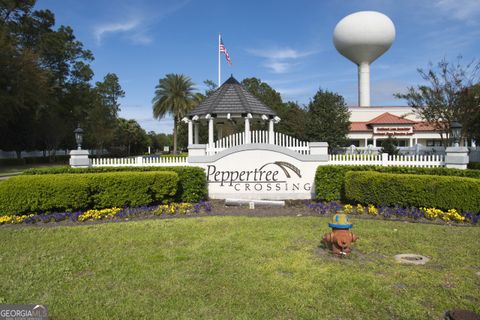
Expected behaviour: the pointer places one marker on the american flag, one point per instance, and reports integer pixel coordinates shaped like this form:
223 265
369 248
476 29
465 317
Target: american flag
224 50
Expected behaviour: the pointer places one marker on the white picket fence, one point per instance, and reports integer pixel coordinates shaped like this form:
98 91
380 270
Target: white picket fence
260 136
140 162
387 160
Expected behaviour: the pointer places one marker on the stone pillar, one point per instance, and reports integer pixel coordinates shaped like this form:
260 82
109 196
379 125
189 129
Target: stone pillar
190 132
197 150
196 127
210 132
247 130
456 157
319 148
79 159
271 132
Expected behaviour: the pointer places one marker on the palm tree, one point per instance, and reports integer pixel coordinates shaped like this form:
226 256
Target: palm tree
174 95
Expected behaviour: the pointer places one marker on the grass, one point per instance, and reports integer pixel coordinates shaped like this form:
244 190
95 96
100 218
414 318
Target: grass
238 268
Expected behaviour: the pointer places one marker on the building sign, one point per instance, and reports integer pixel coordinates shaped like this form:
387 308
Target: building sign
393 131
272 176
261 174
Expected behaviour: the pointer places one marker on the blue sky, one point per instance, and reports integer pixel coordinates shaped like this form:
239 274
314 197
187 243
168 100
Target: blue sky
287 44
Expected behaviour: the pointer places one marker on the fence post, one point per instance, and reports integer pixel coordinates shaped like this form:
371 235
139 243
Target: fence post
384 159
139 161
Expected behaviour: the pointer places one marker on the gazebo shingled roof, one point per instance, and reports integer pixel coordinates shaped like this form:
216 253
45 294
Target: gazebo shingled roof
231 98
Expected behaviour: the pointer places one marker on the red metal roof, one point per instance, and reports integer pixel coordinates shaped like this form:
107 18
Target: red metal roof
359 126
388 118
423 126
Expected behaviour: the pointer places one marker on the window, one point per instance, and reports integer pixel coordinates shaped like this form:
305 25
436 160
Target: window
434 143
356 143
402 143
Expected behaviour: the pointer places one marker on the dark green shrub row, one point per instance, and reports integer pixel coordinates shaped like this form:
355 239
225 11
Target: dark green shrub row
330 180
474 165
192 185
409 190
34 160
61 192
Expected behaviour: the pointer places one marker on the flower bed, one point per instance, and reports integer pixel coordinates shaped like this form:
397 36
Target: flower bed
109 213
386 212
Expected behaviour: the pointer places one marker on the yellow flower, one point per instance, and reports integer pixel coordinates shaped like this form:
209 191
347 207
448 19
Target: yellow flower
372 210
360 209
347 208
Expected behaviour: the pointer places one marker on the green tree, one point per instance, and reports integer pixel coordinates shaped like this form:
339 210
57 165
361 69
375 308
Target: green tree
390 146
103 113
446 96
211 87
174 95
40 70
328 119
291 114
130 138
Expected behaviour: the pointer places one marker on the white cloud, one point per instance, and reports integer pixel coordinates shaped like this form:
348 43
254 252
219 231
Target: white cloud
279 60
280 54
136 22
278 67
102 30
460 9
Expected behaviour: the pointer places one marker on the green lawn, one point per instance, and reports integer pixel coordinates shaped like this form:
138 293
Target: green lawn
238 268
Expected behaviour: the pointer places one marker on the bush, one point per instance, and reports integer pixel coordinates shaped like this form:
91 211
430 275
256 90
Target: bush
51 192
409 190
330 180
192 185
474 165
66 192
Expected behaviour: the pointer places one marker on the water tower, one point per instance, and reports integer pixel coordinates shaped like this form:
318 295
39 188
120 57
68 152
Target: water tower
362 37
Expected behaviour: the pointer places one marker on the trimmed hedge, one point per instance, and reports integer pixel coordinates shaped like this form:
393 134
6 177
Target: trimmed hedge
474 165
409 190
192 185
66 192
330 180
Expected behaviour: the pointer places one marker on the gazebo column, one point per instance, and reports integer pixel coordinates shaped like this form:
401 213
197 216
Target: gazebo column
195 130
190 132
271 133
210 130
190 129
248 138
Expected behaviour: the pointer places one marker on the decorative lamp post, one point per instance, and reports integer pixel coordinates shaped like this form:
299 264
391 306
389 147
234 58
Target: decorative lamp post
79 137
456 128
79 158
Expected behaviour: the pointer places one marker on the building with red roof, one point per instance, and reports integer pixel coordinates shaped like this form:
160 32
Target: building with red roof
371 125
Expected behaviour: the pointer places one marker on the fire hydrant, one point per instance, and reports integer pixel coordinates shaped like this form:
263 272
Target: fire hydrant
340 238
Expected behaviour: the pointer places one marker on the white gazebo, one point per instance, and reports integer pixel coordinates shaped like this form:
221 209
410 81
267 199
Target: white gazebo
230 101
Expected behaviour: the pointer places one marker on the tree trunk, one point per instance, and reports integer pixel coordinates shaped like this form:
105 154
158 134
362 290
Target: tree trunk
174 135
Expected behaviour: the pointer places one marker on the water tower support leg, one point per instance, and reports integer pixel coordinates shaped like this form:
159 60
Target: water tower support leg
364 84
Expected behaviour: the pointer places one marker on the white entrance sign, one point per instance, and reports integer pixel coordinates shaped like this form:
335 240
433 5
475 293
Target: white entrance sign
260 171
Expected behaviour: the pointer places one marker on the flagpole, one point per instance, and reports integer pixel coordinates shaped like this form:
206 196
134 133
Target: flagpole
219 64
